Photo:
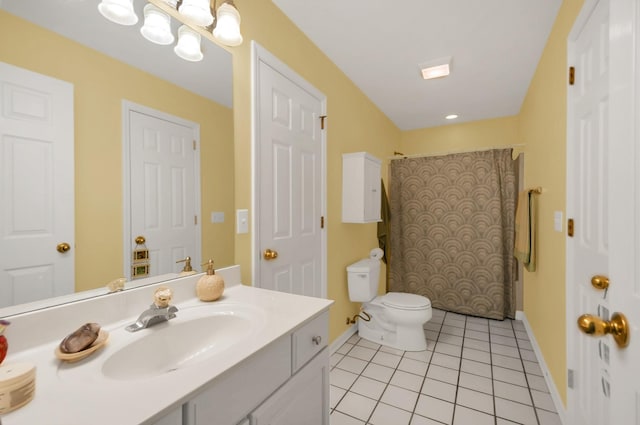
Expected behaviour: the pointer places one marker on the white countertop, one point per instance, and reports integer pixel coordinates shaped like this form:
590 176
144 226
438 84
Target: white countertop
78 393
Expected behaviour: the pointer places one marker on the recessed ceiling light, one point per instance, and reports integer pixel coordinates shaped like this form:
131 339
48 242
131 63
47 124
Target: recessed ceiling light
436 68
451 117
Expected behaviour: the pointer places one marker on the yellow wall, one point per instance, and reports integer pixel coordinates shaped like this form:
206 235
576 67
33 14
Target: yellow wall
100 84
354 124
543 130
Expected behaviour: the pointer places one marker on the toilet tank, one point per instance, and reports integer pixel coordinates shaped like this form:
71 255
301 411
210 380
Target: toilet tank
362 278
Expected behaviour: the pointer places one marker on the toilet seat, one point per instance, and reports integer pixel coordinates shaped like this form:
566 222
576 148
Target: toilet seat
404 301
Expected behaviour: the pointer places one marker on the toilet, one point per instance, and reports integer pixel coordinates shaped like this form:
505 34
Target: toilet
396 317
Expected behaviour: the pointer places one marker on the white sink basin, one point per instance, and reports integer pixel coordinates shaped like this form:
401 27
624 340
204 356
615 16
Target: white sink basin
195 335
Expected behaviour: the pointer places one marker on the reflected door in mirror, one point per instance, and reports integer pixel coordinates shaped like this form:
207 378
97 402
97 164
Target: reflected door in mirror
37 193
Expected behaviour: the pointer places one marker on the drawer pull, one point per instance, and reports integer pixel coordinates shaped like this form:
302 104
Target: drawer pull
317 339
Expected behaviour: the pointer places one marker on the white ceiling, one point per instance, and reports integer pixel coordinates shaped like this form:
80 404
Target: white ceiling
495 45
81 21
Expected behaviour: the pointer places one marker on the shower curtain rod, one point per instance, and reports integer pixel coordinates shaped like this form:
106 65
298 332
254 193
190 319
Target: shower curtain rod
400 155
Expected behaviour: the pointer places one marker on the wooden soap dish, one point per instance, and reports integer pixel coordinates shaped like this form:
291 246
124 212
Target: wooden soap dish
103 337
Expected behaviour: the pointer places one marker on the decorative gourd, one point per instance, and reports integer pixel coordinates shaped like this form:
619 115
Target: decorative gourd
210 286
4 345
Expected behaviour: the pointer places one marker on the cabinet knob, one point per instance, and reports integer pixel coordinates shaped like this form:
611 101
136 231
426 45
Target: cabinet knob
317 339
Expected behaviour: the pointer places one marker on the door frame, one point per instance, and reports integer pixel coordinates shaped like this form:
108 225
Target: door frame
261 55
127 238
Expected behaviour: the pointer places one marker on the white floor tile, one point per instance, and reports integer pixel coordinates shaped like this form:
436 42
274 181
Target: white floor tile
519 325
476 368
360 407
455 322
386 359
445 360
378 372
452 330
433 408
512 392
443 374
507 362
532 368
502 331
476 344
432 326
450 339
525 344
444 348
362 353
421 420
548 418
345 348
475 400
506 323
510 376
522 336
504 340
465 416
516 412
342 378
335 394
476 383
413 366
385 414
439 389
500 421
354 339
476 355
351 364
537 383
390 350
407 380
399 397
338 418
368 387
528 355
479 327
335 359
480 336
505 350
368 344
477 320
423 356
543 401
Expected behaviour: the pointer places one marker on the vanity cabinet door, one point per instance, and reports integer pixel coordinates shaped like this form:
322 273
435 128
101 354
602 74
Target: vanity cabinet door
303 400
173 418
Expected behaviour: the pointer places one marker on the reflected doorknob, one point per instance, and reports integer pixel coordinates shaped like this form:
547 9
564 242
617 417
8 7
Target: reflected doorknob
269 254
617 327
63 247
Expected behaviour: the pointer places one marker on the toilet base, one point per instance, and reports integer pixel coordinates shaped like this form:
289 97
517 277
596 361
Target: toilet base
403 338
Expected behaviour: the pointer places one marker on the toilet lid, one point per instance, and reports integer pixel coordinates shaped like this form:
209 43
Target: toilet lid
406 301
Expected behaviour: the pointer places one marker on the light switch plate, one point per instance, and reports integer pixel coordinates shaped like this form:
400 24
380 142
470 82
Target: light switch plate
242 221
217 217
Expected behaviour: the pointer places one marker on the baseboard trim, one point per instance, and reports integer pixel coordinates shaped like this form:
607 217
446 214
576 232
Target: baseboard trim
555 395
339 341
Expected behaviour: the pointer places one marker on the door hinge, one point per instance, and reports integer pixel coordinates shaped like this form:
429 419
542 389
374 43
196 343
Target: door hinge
322 118
570 227
194 145
322 222
572 75
195 220
570 377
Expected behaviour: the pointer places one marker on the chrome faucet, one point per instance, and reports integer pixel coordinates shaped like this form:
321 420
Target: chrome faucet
159 311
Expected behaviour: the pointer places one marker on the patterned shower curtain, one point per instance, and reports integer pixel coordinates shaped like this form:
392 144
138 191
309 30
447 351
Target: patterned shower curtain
452 231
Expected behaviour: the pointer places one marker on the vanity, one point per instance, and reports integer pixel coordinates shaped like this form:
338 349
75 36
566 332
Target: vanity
253 357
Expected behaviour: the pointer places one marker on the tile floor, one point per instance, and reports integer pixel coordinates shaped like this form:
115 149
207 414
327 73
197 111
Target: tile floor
475 372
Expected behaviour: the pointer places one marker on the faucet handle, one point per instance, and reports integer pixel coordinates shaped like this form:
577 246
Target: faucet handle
187 264
162 297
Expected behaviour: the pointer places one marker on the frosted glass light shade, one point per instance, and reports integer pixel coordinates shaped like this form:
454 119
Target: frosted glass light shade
188 47
157 26
118 11
227 30
198 11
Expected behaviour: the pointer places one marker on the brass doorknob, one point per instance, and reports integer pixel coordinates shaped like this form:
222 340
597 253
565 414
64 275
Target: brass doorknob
600 282
617 327
269 254
63 247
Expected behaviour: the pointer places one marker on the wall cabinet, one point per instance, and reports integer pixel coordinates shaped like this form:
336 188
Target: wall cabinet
285 383
361 191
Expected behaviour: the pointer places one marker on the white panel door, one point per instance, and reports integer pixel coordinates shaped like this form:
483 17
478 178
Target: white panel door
289 151
164 189
37 190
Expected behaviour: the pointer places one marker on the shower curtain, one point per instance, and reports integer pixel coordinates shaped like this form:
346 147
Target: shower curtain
452 231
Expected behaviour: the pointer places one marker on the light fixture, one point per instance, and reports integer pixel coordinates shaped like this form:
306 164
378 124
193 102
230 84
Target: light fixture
118 11
436 68
188 47
199 11
157 26
227 28
451 117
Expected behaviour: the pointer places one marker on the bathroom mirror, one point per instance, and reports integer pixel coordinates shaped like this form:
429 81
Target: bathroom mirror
135 70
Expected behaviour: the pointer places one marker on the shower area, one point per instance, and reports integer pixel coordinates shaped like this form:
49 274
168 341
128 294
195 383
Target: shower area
452 224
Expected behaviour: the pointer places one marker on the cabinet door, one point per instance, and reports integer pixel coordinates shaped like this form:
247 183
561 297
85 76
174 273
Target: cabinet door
172 418
303 400
372 190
